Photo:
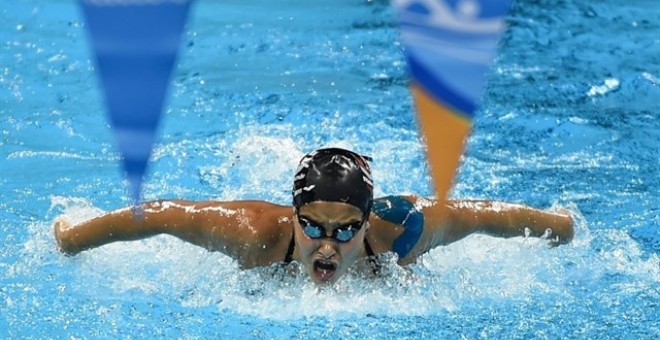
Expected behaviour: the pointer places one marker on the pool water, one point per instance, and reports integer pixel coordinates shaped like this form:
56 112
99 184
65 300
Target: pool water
569 119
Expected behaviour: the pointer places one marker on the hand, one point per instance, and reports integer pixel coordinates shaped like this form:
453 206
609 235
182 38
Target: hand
60 227
566 232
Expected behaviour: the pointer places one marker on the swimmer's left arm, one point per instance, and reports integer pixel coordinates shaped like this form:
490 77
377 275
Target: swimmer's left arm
455 220
462 218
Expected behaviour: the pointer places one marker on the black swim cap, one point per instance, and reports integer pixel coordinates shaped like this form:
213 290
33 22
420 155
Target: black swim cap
334 175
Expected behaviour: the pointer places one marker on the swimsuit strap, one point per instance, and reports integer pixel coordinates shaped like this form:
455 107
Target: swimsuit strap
289 252
371 257
367 247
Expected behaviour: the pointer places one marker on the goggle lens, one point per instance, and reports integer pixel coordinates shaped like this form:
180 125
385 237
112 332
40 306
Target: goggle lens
342 233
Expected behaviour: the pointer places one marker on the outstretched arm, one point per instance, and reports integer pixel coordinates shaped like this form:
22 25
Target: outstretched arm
459 219
250 231
499 219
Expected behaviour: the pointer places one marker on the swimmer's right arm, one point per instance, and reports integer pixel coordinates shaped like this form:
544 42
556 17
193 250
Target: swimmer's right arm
244 230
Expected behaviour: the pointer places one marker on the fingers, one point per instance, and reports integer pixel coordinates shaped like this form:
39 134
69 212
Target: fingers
60 227
565 228
62 223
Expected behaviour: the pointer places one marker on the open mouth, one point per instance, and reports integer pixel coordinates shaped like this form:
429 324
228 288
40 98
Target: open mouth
324 269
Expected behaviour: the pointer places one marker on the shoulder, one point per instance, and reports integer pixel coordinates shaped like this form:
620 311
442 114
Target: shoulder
397 224
397 209
266 216
257 233
246 220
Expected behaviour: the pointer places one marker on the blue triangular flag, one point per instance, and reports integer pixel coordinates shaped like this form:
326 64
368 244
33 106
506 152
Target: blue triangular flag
136 44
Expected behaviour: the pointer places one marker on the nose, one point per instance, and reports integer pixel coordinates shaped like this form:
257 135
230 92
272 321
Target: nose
327 250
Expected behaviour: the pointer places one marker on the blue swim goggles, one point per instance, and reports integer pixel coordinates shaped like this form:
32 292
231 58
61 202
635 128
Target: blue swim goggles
343 233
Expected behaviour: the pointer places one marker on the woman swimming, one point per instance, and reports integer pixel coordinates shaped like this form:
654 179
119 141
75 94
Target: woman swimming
334 221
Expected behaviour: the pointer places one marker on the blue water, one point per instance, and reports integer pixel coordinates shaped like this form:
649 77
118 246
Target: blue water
570 119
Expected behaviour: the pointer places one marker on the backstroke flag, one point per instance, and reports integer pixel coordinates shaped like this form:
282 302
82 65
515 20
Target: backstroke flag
449 46
135 43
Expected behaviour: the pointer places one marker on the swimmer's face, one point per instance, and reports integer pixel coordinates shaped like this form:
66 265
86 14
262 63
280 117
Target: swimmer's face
335 240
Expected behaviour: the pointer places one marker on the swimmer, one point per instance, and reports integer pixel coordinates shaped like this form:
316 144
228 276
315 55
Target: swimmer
333 223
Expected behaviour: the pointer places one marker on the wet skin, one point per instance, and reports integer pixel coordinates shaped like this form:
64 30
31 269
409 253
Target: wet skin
327 259
259 233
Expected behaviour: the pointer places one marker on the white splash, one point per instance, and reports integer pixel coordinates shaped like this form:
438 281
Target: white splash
472 272
51 154
609 85
160 206
421 203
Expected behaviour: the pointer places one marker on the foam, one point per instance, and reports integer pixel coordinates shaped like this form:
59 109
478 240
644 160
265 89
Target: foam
468 274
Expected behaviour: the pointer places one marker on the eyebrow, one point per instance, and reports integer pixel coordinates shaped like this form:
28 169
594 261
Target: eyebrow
339 225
